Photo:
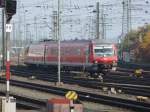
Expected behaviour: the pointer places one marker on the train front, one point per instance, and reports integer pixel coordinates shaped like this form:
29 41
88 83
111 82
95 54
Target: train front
105 57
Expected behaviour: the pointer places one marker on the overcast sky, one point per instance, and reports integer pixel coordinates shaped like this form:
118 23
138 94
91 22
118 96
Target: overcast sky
34 18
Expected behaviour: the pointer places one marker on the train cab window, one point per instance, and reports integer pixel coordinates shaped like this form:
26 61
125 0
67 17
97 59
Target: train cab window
103 51
115 52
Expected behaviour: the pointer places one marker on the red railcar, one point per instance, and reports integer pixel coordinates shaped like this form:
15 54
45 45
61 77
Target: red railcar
87 55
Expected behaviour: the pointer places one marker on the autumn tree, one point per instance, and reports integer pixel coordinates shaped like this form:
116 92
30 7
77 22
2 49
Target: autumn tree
145 47
138 41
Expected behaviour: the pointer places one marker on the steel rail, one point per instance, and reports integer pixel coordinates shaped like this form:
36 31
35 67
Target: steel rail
86 96
96 84
26 102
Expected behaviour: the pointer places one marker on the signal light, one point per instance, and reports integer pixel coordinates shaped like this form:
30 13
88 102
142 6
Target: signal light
2 3
10 8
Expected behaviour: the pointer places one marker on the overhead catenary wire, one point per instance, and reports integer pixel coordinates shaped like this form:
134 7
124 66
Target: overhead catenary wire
73 12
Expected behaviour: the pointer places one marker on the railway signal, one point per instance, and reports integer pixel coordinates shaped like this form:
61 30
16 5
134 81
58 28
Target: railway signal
71 95
2 3
10 9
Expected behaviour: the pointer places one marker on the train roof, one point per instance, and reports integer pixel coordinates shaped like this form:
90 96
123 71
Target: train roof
103 41
100 41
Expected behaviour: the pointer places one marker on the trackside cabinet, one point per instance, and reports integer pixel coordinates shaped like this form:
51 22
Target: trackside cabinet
62 105
8 105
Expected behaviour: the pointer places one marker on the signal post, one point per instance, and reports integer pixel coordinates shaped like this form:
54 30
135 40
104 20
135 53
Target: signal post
9 9
72 96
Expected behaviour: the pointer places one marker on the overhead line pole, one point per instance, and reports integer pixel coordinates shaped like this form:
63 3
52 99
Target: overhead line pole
103 22
54 25
35 27
97 24
3 39
58 34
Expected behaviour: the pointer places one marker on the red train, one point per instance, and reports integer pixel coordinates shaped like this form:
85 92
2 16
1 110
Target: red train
87 55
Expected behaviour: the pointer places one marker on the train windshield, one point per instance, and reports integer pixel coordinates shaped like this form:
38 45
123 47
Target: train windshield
103 51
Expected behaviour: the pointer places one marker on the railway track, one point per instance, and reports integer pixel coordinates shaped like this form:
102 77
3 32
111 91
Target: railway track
26 102
90 83
114 77
129 72
130 65
126 80
85 96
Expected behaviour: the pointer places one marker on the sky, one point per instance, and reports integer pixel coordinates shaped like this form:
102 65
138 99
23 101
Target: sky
34 18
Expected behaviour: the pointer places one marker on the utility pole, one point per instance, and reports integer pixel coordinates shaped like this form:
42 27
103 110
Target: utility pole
126 22
3 39
59 37
126 17
35 27
19 39
27 36
24 24
97 23
103 23
123 16
10 10
130 15
14 35
55 25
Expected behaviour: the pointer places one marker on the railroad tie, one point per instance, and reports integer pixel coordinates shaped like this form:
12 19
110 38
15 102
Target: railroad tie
142 98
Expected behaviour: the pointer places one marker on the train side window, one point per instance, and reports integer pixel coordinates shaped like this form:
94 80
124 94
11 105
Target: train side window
67 51
115 52
63 51
86 51
54 51
47 50
78 51
26 50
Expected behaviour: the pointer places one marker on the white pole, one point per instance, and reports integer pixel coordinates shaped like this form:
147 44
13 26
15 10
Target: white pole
58 26
7 62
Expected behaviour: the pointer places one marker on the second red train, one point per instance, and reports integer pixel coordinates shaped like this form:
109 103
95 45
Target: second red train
90 56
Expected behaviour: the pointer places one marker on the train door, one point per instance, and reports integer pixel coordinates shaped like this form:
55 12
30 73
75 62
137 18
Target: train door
87 53
91 53
45 54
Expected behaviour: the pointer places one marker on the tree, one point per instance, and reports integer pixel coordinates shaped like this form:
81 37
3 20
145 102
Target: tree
139 41
130 39
145 47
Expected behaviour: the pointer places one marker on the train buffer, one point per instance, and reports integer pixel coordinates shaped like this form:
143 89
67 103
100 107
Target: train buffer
68 104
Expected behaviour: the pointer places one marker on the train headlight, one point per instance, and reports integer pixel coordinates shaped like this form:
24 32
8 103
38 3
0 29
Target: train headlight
95 62
114 63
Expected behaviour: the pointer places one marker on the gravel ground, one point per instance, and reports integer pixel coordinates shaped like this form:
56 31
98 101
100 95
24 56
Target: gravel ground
76 87
21 110
89 107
